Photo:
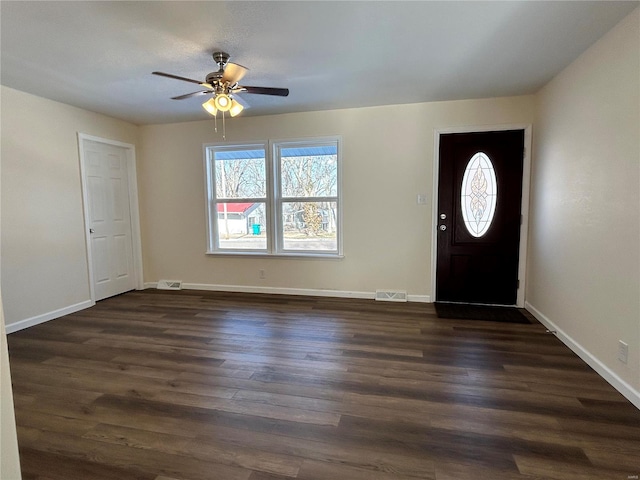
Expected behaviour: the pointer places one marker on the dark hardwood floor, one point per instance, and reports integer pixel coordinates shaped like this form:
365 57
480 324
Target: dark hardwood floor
188 385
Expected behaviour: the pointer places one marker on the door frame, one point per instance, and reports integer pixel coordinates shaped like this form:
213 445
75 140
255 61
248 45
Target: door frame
524 207
130 157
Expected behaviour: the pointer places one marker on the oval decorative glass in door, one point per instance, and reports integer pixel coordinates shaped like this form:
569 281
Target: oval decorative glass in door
479 194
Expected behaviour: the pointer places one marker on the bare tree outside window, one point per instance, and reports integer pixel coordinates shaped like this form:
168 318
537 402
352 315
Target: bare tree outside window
309 177
241 178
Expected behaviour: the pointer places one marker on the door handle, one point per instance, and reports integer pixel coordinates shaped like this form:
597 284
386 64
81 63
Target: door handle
91 230
443 227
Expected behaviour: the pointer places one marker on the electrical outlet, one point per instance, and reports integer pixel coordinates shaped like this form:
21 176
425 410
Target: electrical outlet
623 352
262 274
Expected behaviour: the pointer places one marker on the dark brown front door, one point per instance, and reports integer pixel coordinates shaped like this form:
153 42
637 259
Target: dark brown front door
479 203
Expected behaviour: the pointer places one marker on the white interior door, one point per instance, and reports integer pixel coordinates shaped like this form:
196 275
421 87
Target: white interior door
107 184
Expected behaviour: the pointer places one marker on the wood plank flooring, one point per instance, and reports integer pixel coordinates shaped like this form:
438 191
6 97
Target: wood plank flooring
157 385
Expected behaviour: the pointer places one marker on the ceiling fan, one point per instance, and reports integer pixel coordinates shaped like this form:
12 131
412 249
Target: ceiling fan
223 86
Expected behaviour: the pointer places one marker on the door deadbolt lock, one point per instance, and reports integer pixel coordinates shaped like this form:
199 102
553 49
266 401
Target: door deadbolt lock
443 216
443 227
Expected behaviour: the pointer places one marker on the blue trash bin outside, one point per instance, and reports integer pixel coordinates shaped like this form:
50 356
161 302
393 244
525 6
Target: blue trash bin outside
256 228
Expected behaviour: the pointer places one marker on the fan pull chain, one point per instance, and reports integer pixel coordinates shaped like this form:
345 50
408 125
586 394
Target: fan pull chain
224 137
215 123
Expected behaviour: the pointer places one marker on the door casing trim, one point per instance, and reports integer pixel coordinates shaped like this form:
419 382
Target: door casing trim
524 207
130 155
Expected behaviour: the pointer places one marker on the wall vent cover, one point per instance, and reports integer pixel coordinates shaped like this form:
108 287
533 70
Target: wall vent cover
391 295
169 285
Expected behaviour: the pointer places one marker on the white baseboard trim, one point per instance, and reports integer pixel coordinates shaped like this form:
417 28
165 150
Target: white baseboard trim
605 372
279 290
288 291
419 298
45 317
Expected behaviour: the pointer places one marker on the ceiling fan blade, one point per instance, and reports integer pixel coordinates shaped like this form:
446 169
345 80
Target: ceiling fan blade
188 95
176 77
280 92
233 73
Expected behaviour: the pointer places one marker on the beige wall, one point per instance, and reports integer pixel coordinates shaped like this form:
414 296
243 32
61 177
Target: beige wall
44 260
584 265
9 459
387 161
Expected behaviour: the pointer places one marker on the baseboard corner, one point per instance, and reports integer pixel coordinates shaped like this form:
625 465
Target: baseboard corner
628 391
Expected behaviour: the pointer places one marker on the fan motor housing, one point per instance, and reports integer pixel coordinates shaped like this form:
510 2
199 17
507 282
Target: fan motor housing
221 58
214 77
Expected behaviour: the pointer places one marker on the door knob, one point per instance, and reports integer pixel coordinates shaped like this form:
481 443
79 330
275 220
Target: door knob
91 230
443 227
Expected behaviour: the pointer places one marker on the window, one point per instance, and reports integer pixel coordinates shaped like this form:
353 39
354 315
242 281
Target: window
276 198
479 194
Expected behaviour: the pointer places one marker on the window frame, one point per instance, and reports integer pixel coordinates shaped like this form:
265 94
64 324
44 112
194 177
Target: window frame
274 222
213 237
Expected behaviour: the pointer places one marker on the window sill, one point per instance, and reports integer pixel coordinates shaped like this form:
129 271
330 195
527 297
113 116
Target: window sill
293 255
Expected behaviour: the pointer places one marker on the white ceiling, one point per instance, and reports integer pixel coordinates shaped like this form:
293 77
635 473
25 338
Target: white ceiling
99 55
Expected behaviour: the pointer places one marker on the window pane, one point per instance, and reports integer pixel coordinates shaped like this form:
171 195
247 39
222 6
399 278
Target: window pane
240 174
479 194
242 226
310 226
309 172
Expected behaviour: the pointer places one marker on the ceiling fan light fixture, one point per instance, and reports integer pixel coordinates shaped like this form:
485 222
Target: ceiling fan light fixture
236 108
222 102
210 106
